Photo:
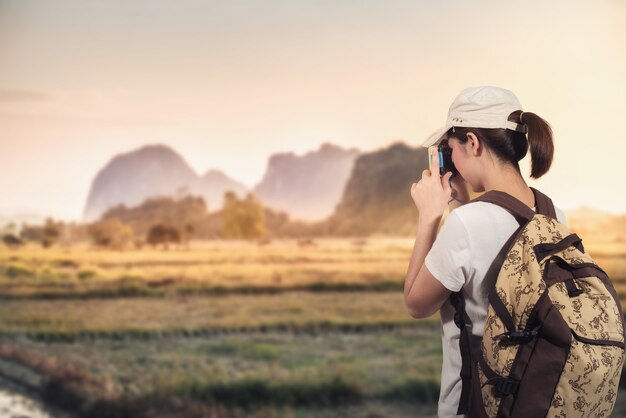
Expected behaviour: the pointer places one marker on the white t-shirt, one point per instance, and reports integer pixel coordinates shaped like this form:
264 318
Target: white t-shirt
468 242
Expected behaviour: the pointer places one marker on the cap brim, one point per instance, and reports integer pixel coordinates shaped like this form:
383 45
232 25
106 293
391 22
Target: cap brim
436 136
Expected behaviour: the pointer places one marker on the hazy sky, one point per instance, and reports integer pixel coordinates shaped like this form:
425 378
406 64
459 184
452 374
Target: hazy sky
228 83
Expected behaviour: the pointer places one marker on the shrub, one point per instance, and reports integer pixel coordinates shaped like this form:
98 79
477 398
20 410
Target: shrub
163 234
65 262
420 389
15 270
253 392
86 274
111 233
12 241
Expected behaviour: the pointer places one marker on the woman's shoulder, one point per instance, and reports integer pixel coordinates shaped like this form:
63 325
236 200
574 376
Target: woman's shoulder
479 209
472 218
484 212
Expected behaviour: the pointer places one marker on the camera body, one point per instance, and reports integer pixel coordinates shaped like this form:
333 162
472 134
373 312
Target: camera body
445 158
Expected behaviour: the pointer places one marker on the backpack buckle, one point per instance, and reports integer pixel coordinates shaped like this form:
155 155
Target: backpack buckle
519 337
505 387
575 292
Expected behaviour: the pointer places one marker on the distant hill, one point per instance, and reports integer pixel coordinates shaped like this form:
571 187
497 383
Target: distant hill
212 185
152 171
377 197
595 225
307 187
359 194
329 191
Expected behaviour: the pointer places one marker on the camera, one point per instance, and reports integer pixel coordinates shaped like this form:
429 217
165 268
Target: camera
445 158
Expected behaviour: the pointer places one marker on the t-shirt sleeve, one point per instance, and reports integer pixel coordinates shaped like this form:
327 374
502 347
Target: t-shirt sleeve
449 258
560 216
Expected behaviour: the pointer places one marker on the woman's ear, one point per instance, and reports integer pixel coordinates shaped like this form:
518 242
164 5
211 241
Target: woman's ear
473 142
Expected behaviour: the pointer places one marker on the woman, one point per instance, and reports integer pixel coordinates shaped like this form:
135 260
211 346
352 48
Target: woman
488 134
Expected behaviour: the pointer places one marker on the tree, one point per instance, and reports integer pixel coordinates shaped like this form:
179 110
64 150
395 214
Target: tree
242 218
51 232
188 210
47 234
163 234
31 232
111 233
187 233
12 241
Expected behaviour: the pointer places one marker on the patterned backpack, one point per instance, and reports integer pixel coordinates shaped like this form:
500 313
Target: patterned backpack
553 342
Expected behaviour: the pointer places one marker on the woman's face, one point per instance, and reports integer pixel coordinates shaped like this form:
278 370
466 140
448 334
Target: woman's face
463 162
458 154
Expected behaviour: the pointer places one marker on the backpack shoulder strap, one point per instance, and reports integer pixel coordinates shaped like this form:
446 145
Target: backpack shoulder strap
469 347
544 204
514 206
517 208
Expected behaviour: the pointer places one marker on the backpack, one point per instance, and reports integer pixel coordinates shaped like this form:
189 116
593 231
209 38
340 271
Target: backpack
553 340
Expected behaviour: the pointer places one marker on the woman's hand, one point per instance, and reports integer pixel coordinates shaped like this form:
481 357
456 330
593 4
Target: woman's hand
432 193
460 193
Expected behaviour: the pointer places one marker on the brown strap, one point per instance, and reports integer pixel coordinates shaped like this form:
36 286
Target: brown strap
463 322
477 408
488 285
470 348
538 363
519 210
544 204
547 248
516 207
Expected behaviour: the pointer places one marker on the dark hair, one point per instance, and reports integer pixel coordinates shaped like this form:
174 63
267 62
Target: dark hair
511 146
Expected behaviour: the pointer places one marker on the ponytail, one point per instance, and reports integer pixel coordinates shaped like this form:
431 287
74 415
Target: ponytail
540 140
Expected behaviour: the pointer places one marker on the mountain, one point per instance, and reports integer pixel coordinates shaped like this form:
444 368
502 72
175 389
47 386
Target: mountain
309 186
151 171
377 196
212 186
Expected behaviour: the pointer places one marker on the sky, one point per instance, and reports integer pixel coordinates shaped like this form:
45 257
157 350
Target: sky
229 83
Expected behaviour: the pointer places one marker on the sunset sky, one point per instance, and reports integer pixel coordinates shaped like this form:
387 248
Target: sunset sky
228 83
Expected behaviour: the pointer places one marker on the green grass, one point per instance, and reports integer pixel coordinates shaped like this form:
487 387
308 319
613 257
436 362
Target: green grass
264 369
17 270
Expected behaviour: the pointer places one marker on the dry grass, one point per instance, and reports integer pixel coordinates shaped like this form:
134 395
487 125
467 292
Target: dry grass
32 271
291 310
216 266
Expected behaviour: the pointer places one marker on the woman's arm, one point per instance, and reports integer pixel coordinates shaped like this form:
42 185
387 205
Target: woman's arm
423 293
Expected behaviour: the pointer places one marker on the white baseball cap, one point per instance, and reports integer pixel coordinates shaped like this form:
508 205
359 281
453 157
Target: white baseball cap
480 107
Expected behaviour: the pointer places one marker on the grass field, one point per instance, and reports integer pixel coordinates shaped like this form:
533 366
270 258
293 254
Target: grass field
291 311
205 268
228 329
